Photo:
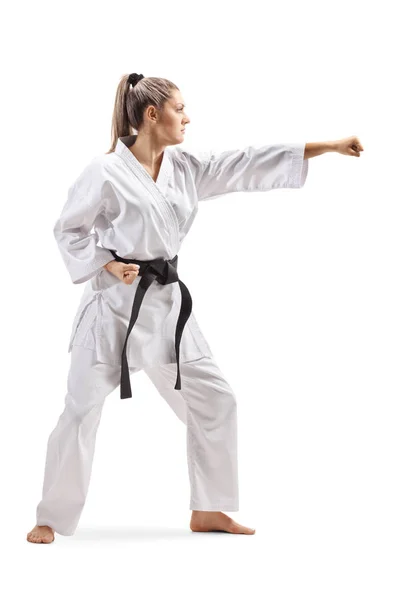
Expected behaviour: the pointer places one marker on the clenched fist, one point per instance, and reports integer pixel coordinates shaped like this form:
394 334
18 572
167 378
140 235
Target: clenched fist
350 146
125 272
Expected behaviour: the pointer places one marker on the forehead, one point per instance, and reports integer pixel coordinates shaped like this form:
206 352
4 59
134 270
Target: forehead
176 98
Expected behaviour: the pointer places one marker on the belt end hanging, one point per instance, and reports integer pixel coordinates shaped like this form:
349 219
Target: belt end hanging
178 379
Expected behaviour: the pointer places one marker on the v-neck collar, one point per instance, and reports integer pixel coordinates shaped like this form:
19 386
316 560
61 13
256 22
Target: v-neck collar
122 149
158 189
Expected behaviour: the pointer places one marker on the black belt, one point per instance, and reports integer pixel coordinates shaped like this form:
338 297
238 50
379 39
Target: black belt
163 271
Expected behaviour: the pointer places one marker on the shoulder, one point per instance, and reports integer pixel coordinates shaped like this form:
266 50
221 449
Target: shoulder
189 161
97 169
188 155
91 179
103 163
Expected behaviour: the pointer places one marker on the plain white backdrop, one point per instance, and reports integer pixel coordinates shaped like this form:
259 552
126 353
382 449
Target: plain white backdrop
297 292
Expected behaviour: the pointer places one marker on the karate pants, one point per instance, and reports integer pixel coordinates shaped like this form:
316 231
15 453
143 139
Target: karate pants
206 404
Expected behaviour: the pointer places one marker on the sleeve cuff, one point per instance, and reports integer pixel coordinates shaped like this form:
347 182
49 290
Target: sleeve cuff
87 271
299 169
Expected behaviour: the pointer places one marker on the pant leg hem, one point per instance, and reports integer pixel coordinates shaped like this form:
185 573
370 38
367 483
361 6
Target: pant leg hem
217 507
56 528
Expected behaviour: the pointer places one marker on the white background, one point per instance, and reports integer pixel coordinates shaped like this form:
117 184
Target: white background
297 292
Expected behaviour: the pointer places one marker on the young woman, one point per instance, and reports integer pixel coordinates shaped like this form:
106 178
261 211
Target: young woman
140 199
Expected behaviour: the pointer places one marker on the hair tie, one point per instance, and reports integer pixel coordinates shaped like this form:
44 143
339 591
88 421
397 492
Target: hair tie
134 78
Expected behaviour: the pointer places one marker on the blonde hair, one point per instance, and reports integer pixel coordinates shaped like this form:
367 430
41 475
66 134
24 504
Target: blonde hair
130 103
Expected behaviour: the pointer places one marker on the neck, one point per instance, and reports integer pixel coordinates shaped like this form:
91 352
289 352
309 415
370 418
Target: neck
147 150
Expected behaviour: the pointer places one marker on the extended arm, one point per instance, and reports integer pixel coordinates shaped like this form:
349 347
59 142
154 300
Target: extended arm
259 168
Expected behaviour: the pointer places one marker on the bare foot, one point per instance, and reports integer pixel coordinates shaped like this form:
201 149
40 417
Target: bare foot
203 520
41 534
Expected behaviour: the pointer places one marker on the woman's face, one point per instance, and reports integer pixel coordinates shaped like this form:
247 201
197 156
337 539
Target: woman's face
172 120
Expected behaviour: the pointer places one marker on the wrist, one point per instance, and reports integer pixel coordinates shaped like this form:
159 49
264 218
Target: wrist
332 146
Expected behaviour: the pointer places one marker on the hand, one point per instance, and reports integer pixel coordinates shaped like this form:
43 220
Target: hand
349 146
125 272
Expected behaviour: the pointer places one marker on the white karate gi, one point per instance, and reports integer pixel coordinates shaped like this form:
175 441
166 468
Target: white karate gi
141 218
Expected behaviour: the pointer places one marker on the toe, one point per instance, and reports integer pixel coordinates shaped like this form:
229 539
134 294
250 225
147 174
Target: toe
236 528
249 531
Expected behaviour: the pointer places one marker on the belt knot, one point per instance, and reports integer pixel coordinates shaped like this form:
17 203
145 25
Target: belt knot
166 272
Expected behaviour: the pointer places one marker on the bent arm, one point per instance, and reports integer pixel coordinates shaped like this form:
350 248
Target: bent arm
72 230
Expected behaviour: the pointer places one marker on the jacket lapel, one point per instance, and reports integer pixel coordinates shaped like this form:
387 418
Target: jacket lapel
158 188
